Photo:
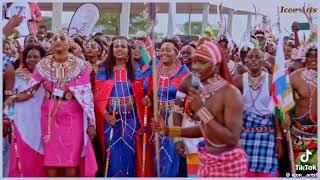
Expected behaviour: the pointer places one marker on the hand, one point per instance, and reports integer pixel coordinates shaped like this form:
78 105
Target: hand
15 21
6 128
146 101
159 126
286 125
295 27
110 119
9 101
279 149
91 131
194 97
180 148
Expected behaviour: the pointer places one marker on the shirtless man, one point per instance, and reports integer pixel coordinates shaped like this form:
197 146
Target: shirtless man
304 117
218 106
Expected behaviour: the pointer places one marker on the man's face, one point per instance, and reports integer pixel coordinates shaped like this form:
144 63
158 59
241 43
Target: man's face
60 42
311 59
203 67
225 49
254 61
186 53
261 40
287 52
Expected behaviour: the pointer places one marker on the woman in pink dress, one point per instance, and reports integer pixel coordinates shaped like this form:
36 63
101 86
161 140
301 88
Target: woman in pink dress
67 111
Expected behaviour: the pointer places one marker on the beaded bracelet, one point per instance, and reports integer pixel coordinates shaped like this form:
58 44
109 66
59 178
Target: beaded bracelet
8 92
181 95
174 132
178 109
279 138
204 115
176 140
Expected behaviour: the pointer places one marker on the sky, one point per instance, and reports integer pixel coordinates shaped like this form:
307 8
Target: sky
266 7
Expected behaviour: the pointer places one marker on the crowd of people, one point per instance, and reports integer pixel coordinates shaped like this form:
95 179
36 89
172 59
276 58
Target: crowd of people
83 106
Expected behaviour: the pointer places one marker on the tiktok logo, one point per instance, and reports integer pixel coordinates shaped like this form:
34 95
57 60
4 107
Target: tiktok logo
305 157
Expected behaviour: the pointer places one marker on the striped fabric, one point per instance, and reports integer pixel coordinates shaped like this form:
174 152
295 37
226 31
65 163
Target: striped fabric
192 164
209 51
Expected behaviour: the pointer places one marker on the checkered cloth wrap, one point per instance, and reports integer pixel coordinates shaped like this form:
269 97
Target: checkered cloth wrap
5 61
260 146
228 164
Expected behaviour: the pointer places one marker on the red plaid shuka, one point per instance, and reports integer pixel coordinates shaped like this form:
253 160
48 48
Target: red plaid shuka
229 164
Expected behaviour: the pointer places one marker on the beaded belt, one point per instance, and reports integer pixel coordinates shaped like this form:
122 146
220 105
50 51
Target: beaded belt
121 101
302 134
67 96
257 129
166 105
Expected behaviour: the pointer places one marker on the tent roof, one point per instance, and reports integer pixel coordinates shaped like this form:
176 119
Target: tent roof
182 8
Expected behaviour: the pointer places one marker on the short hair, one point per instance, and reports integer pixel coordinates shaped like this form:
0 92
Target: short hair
43 26
29 48
167 40
312 48
223 38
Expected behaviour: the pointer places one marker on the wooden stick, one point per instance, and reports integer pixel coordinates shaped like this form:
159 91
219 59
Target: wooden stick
291 156
155 111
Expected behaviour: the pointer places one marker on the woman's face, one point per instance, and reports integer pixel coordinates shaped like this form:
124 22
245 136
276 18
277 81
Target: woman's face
7 49
120 49
75 48
136 53
168 53
60 43
33 57
92 49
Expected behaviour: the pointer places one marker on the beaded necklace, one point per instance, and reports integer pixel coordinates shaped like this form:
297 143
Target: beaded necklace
255 83
24 73
169 71
211 88
310 77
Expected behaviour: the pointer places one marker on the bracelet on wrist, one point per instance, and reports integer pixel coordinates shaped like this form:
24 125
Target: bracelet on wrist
279 138
176 140
204 115
174 132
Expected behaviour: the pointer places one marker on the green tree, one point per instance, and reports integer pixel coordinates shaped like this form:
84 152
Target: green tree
196 27
138 22
111 23
46 21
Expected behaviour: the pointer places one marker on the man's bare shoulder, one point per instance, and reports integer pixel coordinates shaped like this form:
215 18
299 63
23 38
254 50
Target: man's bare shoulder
232 94
296 73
